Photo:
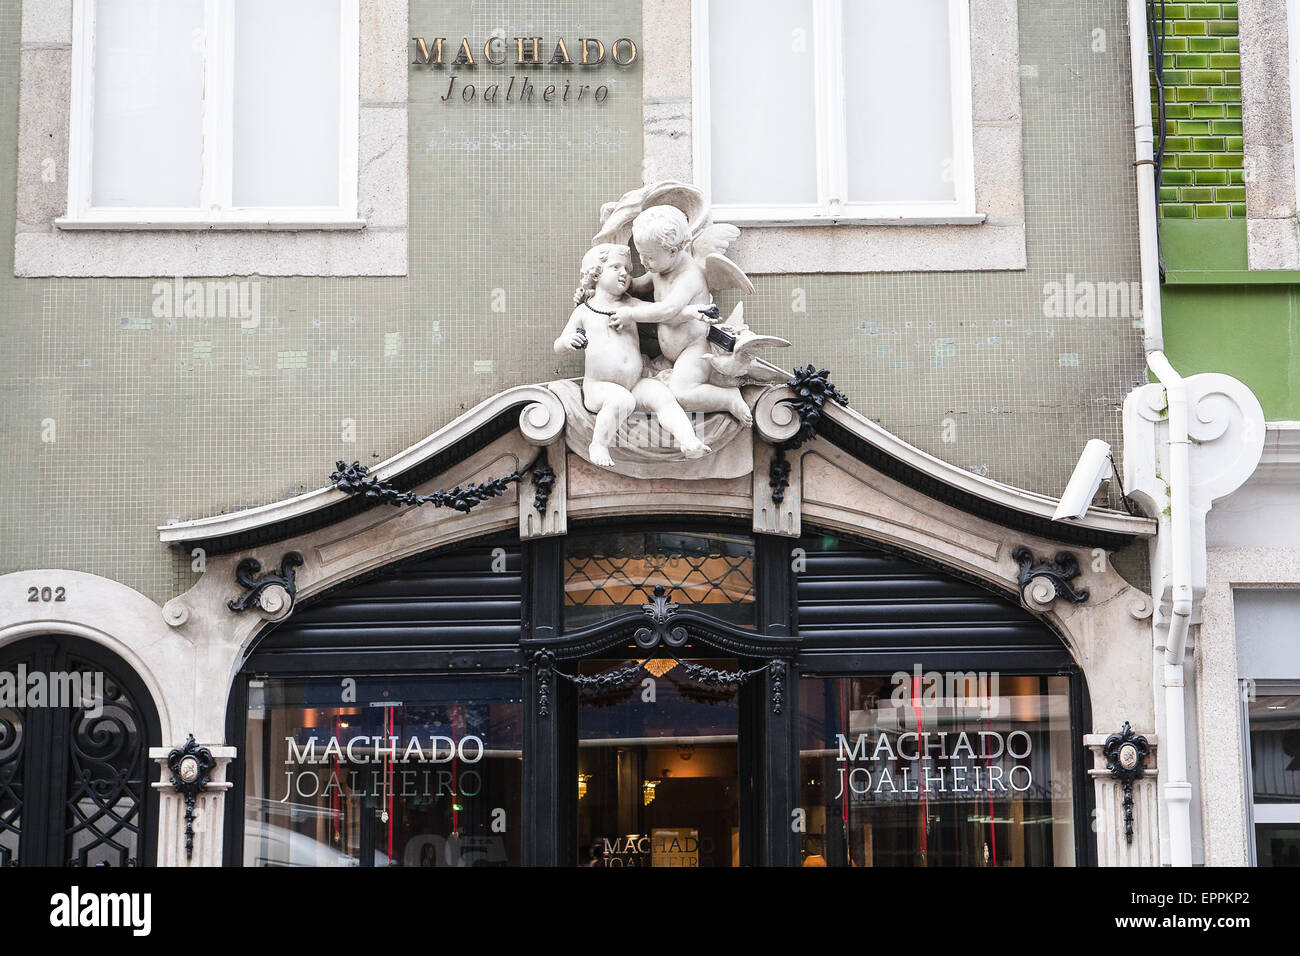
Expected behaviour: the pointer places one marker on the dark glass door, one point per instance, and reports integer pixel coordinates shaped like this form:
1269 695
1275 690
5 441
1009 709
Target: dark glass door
75 729
659 769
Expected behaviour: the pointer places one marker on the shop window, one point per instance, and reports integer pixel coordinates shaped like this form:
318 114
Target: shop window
658 770
383 771
802 113
188 113
933 769
614 572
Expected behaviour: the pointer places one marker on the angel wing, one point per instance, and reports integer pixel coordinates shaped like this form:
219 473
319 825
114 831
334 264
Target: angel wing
716 237
616 217
721 274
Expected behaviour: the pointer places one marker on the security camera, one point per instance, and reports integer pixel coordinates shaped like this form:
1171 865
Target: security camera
1095 466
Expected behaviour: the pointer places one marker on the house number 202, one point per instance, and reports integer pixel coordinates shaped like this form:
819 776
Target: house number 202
46 594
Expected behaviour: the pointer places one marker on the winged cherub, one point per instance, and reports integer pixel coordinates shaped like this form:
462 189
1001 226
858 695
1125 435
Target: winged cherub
612 384
682 272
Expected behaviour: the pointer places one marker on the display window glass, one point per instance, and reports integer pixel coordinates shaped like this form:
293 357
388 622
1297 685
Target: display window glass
658 770
383 771
935 769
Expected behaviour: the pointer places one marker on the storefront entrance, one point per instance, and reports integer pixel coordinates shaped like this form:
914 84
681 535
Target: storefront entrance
661 696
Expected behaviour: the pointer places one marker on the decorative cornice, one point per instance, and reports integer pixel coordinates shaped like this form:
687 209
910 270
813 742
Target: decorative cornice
541 421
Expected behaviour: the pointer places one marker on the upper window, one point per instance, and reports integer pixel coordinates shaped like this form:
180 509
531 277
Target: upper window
608 573
826 110
200 113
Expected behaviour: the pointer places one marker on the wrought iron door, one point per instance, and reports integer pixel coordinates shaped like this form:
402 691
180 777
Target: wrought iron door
74 760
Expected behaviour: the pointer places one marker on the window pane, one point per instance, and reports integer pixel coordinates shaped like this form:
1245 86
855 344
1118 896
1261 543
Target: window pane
286 136
1275 777
898 101
615 573
763 135
959 769
326 786
148 137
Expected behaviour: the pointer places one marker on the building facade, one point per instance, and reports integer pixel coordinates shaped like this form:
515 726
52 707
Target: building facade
378 544
1228 246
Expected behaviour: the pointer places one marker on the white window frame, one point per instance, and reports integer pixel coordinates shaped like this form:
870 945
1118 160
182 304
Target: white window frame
832 173
216 209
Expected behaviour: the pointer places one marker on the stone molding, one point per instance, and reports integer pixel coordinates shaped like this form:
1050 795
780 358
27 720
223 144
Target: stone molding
1113 848
1272 233
209 812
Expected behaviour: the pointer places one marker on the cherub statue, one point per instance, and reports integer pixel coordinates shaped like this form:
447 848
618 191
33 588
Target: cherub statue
683 252
682 308
613 384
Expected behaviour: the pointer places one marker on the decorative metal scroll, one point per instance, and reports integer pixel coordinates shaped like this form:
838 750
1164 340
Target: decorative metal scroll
812 388
1060 574
12 739
355 479
108 768
661 611
191 768
1126 755
254 587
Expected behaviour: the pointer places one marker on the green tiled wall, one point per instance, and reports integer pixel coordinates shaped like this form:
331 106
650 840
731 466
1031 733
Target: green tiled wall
1203 176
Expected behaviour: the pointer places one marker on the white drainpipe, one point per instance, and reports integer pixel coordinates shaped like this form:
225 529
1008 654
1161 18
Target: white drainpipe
1176 791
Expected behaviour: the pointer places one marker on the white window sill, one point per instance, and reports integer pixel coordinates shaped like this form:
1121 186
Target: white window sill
953 219
340 224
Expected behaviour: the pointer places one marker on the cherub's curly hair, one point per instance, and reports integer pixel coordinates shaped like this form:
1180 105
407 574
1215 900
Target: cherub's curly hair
665 225
592 264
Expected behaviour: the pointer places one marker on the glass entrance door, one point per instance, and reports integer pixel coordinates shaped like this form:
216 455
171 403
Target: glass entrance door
658 770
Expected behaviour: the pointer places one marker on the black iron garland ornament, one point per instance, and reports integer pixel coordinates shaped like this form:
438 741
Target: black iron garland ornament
812 388
246 574
1126 758
1060 574
355 479
544 664
191 768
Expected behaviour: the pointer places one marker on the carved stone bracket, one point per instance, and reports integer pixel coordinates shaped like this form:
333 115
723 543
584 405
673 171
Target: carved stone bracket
1042 583
191 769
1126 755
273 592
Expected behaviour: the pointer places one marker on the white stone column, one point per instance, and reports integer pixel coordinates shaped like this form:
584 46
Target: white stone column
209 812
1113 847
